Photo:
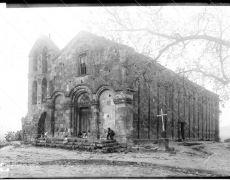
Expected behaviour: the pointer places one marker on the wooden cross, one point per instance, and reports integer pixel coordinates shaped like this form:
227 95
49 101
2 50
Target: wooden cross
162 117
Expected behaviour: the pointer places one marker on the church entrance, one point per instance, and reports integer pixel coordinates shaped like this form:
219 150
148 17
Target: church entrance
84 119
82 115
41 125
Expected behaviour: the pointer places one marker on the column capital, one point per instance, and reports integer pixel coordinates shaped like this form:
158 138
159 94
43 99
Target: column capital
94 102
49 105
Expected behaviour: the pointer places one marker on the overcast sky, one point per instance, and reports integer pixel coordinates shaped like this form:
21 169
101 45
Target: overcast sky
20 27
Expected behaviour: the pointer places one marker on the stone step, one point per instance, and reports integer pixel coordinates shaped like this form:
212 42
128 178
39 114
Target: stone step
107 144
34 143
120 149
70 143
109 149
59 142
107 141
40 144
77 140
113 147
70 146
52 145
78 144
60 145
83 143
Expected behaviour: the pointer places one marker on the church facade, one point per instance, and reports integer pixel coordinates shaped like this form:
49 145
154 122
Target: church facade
93 84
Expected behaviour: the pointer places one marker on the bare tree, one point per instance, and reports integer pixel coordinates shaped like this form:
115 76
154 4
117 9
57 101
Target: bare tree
192 41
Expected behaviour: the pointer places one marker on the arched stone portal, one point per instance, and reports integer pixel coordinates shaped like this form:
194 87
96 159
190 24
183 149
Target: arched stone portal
41 125
83 115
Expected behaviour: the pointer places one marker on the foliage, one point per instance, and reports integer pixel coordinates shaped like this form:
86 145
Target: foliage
227 140
13 136
3 143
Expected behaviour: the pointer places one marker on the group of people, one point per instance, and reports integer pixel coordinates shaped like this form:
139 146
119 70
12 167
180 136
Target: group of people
85 134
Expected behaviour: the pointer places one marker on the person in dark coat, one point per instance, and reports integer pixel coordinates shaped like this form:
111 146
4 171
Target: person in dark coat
79 134
110 134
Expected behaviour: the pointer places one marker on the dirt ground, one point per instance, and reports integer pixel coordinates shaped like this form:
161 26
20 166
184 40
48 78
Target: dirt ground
206 160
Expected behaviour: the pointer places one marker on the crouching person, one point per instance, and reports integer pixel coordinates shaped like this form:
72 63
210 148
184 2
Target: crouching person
110 134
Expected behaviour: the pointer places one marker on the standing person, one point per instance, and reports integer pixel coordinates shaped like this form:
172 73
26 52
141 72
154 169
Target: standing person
110 134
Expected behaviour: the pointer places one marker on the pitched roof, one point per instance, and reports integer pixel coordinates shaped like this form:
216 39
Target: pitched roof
85 34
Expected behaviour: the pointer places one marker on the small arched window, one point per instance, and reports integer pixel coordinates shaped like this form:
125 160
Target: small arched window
83 62
34 92
44 60
44 90
35 61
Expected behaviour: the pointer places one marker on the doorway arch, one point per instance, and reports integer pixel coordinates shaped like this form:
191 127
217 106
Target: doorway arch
41 125
83 115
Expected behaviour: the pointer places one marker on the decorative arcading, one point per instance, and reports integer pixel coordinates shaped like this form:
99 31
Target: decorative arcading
122 100
68 104
84 104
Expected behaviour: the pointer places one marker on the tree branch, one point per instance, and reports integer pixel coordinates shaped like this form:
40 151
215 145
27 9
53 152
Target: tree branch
182 38
164 49
225 82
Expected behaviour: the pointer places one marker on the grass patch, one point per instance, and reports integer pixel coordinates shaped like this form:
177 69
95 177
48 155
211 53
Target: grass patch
4 143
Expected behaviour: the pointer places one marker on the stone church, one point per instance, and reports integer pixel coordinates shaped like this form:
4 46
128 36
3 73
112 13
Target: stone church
94 83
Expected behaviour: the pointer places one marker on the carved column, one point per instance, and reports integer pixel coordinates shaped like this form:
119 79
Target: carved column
68 105
94 124
72 118
124 118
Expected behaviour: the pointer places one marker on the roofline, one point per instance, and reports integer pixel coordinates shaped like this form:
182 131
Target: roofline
171 71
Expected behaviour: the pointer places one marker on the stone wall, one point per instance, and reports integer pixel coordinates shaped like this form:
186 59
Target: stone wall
107 113
183 101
